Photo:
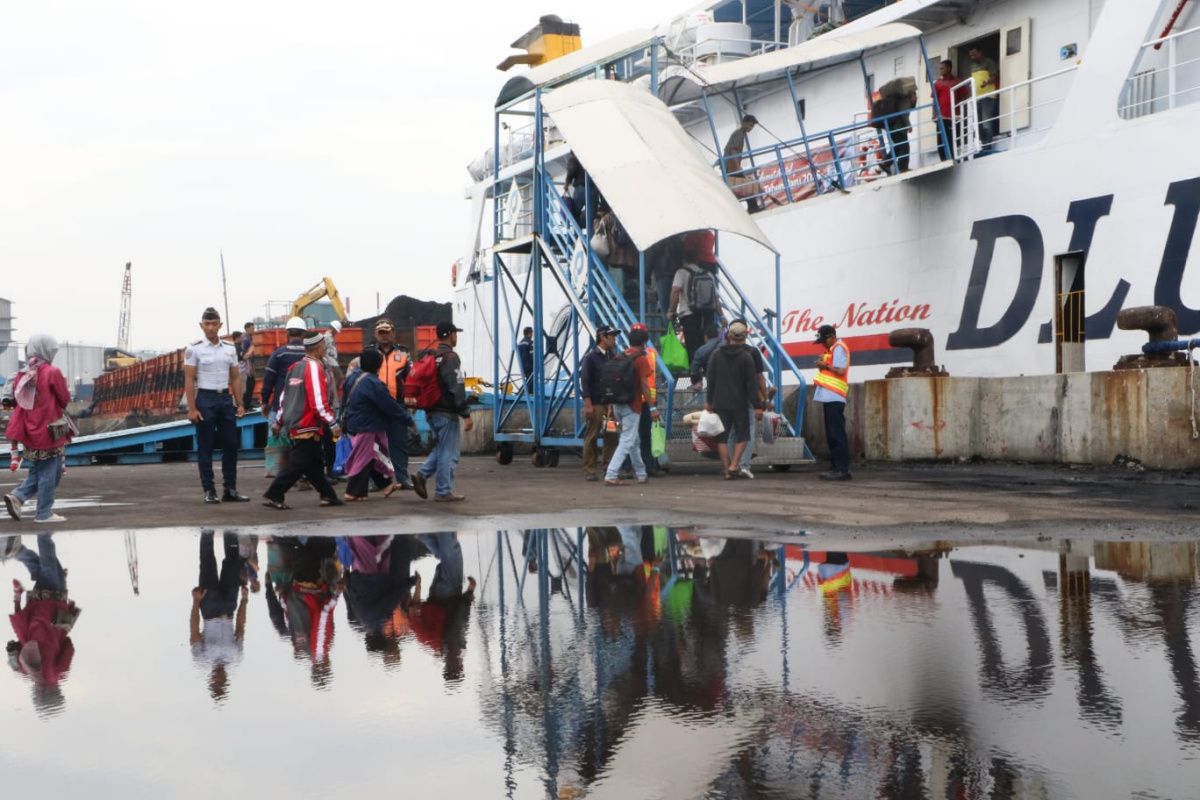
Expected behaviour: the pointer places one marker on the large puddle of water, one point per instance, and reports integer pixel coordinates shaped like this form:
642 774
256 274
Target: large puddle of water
624 662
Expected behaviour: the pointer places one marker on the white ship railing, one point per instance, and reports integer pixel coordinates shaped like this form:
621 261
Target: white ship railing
718 50
1029 109
1157 88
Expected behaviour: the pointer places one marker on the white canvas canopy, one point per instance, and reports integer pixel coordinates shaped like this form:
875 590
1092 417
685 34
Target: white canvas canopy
651 173
823 51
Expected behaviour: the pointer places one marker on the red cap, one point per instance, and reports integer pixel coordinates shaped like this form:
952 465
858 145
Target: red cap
637 326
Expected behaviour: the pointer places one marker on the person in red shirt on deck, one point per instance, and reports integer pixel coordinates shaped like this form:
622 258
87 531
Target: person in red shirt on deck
943 90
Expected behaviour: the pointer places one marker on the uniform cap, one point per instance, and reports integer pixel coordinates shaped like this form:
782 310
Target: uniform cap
384 324
824 332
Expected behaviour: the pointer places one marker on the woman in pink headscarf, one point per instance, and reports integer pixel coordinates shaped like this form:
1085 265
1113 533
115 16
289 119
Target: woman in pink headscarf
42 397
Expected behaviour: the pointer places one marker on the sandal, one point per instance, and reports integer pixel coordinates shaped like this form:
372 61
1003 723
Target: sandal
278 505
617 482
350 498
331 501
393 487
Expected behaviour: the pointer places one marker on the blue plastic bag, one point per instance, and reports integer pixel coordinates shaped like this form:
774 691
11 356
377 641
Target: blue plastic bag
341 454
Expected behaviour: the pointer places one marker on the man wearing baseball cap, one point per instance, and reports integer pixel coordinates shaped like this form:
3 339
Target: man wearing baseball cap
833 385
395 369
590 367
444 419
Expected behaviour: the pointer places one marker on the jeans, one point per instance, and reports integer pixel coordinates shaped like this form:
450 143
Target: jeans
219 426
42 480
448 576
989 120
835 436
44 569
444 457
397 436
627 445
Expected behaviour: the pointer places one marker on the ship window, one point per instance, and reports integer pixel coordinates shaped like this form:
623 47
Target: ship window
1012 44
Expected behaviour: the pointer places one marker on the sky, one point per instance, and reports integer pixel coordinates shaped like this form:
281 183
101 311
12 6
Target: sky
301 139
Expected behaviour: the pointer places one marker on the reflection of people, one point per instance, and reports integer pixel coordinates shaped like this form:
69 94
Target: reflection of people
440 622
43 649
310 599
378 584
218 621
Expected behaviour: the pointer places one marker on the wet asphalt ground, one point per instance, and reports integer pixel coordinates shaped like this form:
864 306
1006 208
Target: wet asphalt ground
946 500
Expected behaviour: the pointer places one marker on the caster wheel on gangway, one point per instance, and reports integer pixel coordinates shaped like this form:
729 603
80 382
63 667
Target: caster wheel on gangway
780 467
504 454
551 458
539 457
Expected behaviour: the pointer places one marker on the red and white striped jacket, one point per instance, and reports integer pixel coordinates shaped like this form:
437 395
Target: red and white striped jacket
308 376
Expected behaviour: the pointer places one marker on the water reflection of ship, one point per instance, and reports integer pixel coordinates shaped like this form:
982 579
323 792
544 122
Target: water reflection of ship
570 691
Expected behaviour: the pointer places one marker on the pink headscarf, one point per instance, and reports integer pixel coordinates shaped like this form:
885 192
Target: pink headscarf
40 351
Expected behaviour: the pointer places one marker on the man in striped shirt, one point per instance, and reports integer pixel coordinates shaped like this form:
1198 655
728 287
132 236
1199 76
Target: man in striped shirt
306 411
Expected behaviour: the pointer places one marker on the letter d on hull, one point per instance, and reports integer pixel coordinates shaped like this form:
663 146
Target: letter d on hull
1028 237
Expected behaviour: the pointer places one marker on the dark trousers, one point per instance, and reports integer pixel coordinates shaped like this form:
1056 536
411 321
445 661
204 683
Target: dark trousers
248 395
900 146
946 140
359 484
397 436
218 427
835 436
693 331
220 590
989 119
328 450
595 457
306 459
644 439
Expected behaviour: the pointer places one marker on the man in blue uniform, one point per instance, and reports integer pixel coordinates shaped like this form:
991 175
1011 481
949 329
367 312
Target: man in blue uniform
213 388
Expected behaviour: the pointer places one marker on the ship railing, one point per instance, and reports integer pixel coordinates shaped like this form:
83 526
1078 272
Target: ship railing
1026 110
1173 81
718 50
833 160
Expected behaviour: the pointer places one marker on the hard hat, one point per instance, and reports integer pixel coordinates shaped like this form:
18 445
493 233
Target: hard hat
336 325
296 324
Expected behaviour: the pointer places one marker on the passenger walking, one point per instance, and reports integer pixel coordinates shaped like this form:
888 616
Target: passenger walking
986 76
525 353
753 416
832 386
393 373
712 340
626 380
595 460
43 648
622 256
695 298
217 623
444 418
896 98
246 364
38 423
733 395
305 412
284 357
213 389
370 409
645 423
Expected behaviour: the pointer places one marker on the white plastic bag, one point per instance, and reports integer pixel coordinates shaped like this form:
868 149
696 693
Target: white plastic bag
600 244
709 424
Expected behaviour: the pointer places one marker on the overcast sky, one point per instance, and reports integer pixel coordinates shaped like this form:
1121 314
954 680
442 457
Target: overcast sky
305 139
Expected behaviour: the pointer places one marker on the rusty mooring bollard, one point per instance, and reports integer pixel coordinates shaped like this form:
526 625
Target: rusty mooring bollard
920 341
1160 324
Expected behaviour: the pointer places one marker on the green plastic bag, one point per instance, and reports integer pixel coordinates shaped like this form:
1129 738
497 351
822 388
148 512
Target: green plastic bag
674 354
658 440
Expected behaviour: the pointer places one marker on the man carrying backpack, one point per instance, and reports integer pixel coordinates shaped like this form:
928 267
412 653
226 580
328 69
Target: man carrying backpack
625 386
442 394
695 302
305 412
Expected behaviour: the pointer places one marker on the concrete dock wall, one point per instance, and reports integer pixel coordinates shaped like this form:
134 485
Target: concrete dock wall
1079 418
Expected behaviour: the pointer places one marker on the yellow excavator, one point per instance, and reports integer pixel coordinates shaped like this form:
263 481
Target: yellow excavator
324 289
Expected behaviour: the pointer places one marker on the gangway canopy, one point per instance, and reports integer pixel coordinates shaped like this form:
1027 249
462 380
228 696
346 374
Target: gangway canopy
580 61
651 173
823 51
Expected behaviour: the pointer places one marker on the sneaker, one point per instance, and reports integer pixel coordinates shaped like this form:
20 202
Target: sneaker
405 483
591 477
211 496
834 475
418 485
746 473
9 546
13 505
232 496
449 498
52 518
645 479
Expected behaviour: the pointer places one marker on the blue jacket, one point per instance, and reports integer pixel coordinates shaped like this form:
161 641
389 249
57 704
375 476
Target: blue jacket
371 407
277 369
589 373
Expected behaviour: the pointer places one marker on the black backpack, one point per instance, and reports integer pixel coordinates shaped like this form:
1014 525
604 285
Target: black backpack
619 382
702 290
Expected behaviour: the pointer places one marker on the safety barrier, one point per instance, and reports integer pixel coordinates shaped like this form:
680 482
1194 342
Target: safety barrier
1153 89
1028 109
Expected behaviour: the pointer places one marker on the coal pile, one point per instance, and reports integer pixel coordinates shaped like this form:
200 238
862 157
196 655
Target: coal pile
407 313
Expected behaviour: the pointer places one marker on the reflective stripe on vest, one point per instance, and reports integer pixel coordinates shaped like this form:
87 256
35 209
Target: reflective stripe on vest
838 385
652 356
393 364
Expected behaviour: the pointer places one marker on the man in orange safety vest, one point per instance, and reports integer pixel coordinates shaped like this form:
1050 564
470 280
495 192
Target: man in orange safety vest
833 384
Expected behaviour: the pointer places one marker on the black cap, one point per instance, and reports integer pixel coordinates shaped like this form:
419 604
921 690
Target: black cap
824 332
605 330
444 329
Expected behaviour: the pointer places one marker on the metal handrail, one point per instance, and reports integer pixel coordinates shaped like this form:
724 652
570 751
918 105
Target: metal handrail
1172 70
967 110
